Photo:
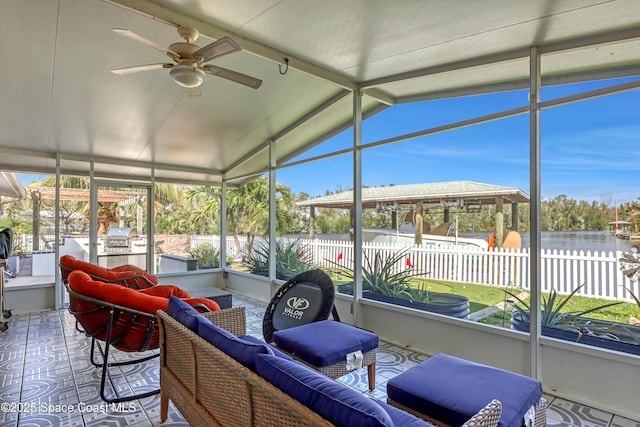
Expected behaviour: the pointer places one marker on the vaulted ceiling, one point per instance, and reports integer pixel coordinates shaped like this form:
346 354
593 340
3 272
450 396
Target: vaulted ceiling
59 102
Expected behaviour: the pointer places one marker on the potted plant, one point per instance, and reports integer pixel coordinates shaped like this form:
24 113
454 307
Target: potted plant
382 281
574 326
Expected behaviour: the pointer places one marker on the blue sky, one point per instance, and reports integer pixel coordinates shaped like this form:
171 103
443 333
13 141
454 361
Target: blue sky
590 150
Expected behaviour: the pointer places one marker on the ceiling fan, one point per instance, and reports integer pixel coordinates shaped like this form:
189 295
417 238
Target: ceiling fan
190 68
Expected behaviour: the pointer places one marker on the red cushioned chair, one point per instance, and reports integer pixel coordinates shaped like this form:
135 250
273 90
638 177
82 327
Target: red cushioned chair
123 318
127 275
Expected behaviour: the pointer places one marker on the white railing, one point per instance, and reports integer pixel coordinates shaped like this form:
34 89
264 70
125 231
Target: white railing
598 272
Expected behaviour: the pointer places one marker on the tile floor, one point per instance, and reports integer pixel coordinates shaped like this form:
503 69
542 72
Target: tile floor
44 365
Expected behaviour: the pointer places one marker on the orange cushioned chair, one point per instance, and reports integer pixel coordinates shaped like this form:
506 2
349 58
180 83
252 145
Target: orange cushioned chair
123 318
127 275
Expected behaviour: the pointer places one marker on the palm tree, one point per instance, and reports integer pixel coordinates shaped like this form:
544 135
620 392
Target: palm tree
248 210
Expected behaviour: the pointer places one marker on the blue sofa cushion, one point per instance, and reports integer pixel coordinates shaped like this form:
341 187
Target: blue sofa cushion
452 390
324 343
402 418
184 313
243 351
333 401
276 352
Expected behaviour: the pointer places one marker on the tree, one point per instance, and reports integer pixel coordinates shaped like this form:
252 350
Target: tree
248 209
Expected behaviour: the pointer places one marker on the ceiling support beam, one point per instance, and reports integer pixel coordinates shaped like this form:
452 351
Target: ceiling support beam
581 42
444 68
347 124
578 77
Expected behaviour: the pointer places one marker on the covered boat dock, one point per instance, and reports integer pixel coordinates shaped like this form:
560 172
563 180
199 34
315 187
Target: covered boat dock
434 195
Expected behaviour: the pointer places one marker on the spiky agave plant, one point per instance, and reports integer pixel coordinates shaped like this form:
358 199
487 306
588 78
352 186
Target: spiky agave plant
551 309
292 258
381 275
206 255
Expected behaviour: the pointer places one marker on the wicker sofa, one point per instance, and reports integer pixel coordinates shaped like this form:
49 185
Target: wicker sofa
258 387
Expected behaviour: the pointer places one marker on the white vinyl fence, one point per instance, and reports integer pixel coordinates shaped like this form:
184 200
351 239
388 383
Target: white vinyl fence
598 272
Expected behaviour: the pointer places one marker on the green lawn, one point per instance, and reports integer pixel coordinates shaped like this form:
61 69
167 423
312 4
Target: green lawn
481 296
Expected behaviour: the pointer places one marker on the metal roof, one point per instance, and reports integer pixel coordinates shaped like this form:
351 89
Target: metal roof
60 104
10 185
434 194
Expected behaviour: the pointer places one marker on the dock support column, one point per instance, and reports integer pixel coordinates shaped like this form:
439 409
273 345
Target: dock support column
499 222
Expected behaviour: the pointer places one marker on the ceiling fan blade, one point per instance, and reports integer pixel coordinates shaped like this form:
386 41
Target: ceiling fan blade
136 37
137 68
234 76
216 49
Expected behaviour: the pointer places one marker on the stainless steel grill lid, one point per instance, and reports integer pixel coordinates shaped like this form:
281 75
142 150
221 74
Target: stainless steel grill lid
122 232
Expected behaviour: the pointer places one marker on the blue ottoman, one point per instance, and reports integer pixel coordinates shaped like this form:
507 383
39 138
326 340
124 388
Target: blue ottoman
450 390
333 348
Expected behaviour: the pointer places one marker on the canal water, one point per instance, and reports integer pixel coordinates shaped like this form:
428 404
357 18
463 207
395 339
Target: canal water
579 240
561 240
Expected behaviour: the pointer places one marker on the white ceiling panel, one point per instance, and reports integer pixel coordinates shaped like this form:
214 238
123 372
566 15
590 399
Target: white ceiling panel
59 98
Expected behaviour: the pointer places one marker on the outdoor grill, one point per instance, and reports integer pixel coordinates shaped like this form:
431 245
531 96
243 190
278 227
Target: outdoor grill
119 238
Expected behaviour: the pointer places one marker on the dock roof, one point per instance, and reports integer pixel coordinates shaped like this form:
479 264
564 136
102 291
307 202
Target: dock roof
432 194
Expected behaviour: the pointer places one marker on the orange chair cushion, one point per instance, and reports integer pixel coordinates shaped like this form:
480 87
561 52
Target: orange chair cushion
129 268
109 274
166 291
146 300
130 331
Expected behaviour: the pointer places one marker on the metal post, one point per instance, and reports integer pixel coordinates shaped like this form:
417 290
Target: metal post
272 210
93 214
223 225
59 289
535 258
151 226
357 205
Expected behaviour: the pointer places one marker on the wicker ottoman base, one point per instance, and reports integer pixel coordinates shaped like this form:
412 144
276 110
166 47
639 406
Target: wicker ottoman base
340 369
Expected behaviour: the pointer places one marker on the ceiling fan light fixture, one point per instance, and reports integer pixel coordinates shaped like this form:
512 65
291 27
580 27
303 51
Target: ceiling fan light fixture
187 76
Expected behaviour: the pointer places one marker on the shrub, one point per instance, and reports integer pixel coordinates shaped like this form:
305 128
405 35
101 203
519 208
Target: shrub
206 255
380 275
292 258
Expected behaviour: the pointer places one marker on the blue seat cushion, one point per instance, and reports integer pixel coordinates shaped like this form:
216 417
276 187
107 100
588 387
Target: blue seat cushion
452 390
243 351
324 343
333 401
